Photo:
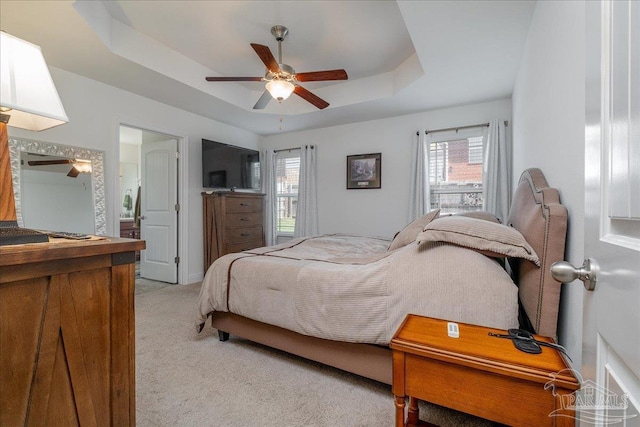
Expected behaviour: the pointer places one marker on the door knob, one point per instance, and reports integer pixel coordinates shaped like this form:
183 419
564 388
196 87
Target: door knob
564 272
143 217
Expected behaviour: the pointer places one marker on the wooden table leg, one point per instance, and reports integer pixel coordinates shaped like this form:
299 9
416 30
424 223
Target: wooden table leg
412 416
398 386
399 400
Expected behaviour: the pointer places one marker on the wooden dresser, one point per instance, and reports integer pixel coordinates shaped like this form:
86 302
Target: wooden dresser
233 222
67 354
129 230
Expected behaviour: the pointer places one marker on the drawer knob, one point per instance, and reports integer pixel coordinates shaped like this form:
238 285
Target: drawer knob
245 234
244 204
244 219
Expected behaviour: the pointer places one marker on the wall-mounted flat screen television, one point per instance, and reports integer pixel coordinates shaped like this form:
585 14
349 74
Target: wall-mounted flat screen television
227 166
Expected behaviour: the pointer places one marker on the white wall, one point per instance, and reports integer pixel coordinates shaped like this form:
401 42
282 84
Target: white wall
375 212
548 132
95 113
130 153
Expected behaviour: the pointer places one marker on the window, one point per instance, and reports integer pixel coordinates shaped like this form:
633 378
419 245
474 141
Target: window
287 179
455 175
475 150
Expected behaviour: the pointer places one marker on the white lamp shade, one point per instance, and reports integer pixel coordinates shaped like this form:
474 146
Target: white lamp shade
280 89
26 86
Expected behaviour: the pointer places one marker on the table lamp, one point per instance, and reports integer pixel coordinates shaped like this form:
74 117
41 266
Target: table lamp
28 100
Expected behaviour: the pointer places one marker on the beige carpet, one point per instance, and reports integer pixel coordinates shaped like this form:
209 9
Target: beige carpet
146 285
189 379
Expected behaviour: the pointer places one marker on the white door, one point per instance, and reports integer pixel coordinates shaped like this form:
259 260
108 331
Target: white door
611 334
159 211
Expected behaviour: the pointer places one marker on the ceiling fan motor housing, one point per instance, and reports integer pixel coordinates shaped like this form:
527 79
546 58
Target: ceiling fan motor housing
279 32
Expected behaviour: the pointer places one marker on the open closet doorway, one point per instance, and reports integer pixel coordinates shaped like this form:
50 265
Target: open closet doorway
150 209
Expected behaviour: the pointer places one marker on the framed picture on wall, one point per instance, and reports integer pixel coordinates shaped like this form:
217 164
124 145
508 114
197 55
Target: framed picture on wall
364 171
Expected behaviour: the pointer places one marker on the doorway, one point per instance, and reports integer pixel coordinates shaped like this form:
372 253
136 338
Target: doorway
149 200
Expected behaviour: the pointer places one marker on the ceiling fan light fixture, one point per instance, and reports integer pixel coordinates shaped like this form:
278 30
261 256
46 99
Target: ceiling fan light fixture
83 167
280 89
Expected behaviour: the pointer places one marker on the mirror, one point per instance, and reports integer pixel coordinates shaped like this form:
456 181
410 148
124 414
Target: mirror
128 189
58 190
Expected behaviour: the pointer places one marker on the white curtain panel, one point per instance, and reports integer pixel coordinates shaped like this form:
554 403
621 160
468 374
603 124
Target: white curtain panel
269 189
419 185
496 177
307 209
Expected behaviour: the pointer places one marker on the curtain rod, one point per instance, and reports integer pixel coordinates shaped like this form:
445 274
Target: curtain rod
293 148
426 132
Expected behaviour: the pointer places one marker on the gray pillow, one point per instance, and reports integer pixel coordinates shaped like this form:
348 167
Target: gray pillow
476 214
409 233
490 238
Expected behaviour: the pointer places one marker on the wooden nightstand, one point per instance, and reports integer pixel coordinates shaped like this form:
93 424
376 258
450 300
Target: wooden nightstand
479 374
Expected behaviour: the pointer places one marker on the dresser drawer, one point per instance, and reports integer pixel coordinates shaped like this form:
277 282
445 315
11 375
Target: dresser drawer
239 247
130 234
243 204
129 230
248 219
244 234
232 222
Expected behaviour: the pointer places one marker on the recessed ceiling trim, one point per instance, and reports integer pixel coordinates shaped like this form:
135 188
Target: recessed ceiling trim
125 41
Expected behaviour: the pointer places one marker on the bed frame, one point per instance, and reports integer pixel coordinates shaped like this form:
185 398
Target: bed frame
535 211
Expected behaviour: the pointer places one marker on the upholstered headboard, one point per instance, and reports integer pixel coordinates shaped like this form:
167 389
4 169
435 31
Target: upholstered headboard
537 213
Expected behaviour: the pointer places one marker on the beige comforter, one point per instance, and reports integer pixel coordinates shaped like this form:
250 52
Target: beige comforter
350 288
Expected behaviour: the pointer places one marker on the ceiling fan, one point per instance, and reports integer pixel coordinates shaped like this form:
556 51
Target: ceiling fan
77 166
282 79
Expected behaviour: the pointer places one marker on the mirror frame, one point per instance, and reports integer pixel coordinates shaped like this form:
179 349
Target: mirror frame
18 145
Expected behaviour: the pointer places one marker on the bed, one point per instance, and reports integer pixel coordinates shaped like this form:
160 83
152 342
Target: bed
338 299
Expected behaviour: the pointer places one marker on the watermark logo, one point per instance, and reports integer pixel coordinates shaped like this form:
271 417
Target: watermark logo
595 403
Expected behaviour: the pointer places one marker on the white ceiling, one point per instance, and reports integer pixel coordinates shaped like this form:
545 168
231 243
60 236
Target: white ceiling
402 57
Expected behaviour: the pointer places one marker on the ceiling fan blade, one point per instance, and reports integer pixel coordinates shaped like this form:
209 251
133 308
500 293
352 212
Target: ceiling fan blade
315 76
263 101
73 173
50 162
234 79
310 97
267 57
